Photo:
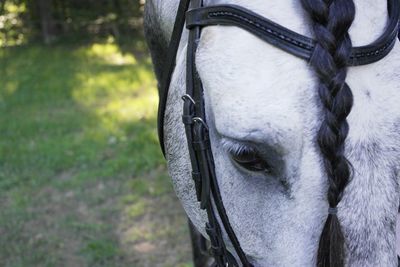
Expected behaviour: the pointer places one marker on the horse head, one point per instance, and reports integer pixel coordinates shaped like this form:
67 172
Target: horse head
305 153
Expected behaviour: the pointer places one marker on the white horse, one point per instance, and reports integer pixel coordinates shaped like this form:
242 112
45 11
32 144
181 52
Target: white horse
259 96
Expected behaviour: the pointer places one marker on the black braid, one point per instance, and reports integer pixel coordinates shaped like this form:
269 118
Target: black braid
331 22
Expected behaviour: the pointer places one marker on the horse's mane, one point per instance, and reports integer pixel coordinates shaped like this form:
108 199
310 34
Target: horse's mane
331 22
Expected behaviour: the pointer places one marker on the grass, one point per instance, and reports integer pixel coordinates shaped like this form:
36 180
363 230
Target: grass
81 173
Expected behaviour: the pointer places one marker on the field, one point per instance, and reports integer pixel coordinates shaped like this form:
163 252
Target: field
82 178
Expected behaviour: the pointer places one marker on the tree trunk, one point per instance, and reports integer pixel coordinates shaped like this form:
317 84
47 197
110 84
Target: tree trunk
62 16
2 4
46 21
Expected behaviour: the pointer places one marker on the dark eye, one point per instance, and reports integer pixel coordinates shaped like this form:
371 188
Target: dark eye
250 160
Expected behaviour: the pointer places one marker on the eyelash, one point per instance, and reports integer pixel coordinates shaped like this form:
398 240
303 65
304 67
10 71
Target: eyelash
247 157
237 149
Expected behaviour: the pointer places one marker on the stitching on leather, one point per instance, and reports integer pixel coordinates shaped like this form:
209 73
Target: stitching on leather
275 33
376 52
295 42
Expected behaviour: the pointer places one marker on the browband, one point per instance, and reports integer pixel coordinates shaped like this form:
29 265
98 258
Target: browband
288 40
269 31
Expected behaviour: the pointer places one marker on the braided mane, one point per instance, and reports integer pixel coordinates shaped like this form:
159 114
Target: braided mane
331 22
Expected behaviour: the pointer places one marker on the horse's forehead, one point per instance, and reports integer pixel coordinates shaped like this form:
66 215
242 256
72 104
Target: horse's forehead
245 77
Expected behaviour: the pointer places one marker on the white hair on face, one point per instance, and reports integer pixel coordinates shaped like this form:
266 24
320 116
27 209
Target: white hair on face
250 85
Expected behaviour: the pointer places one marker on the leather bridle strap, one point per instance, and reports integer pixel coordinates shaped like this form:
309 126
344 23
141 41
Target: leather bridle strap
200 173
169 67
288 40
203 170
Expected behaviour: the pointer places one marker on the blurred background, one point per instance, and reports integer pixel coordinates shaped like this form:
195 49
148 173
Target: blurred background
82 179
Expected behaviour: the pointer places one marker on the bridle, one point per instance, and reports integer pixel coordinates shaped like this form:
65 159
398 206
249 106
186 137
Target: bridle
194 117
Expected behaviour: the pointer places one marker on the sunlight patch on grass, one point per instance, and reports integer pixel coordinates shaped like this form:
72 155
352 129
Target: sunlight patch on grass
129 109
137 209
10 87
110 53
116 95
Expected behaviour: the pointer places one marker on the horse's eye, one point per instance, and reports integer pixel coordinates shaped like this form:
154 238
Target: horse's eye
250 160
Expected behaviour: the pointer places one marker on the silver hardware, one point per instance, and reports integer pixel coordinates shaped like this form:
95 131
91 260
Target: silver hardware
200 120
188 97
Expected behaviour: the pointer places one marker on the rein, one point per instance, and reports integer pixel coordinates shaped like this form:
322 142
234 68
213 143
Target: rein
194 117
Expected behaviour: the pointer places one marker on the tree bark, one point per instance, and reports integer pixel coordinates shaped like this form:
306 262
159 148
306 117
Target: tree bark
46 21
62 16
2 4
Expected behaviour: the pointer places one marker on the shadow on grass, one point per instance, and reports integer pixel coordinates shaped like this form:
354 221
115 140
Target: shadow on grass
81 173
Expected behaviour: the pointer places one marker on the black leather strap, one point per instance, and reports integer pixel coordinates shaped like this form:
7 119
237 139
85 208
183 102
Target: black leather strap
197 144
288 40
170 67
201 158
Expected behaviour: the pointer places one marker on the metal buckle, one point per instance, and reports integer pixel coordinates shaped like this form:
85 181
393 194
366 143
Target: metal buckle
200 120
188 97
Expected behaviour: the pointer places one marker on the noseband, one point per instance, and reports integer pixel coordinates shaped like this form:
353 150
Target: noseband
194 117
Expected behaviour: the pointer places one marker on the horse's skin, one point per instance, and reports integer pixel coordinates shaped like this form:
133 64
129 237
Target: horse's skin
258 94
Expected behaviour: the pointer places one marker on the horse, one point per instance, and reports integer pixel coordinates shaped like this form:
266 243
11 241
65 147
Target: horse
305 152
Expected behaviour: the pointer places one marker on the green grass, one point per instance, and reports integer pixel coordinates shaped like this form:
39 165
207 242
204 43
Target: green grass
81 173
